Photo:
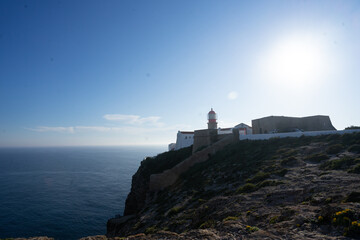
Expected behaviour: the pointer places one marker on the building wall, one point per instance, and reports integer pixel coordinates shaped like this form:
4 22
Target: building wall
224 131
184 140
172 146
168 177
244 126
294 134
284 124
204 137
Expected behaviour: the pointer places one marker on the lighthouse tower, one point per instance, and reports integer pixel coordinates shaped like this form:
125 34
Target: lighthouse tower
212 124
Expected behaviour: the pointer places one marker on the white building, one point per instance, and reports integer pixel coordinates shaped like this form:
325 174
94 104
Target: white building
184 139
243 129
224 131
172 146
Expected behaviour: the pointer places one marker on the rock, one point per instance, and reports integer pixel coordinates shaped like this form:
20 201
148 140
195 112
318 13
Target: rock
205 203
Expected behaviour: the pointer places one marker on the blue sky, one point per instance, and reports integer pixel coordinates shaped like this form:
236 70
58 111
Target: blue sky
136 72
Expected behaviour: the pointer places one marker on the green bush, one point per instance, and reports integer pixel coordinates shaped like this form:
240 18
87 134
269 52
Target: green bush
317 157
247 188
165 160
208 224
174 211
334 149
230 218
151 230
281 172
290 153
353 197
260 176
354 148
288 161
355 169
274 219
337 164
251 229
267 183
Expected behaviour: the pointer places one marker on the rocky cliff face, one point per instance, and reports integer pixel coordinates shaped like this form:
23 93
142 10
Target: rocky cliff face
139 187
296 188
138 195
140 181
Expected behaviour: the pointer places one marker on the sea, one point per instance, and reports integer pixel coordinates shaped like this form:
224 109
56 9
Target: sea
65 192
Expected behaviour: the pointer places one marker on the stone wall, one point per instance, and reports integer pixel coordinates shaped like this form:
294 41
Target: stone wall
203 138
287 124
169 177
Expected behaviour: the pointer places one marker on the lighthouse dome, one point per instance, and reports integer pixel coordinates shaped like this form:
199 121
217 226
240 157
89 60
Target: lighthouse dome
212 124
212 115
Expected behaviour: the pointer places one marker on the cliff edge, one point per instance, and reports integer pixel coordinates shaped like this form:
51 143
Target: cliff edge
291 188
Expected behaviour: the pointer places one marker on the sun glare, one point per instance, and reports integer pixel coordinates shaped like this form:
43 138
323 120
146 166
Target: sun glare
294 62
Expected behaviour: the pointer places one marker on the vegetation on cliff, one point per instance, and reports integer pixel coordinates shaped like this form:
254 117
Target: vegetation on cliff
278 189
151 165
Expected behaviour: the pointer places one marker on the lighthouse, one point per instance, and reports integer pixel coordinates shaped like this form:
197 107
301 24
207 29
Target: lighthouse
212 124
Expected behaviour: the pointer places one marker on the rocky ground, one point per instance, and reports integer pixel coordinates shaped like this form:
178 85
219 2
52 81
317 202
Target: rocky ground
282 189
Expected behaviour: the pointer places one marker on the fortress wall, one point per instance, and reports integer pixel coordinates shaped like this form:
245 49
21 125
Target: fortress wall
204 137
312 123
317 123
169 177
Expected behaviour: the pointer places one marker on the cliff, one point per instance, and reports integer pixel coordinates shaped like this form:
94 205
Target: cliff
293 188
140 181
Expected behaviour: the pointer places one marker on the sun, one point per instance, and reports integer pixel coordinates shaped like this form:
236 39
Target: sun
294 61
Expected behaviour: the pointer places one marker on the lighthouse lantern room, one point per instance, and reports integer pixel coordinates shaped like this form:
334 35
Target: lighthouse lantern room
212 124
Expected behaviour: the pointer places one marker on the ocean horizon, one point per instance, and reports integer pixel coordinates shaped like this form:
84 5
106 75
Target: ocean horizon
65 192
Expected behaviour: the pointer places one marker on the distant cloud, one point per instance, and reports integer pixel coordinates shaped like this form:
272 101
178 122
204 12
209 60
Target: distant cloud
93 128
125 129
133 119
232 95
131 124
52 129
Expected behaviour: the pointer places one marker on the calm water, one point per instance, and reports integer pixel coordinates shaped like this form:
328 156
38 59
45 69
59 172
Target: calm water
65 193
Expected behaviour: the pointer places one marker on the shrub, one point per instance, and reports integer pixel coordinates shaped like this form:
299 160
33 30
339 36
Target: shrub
354 148
208 224
273 219
247 188
151 230
355 169
174 211
230 218
251 229
281 172
268 183
290 153
288 161
353 197
164 161
316 158
137 225
336 164
260 176
344 219
334 149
